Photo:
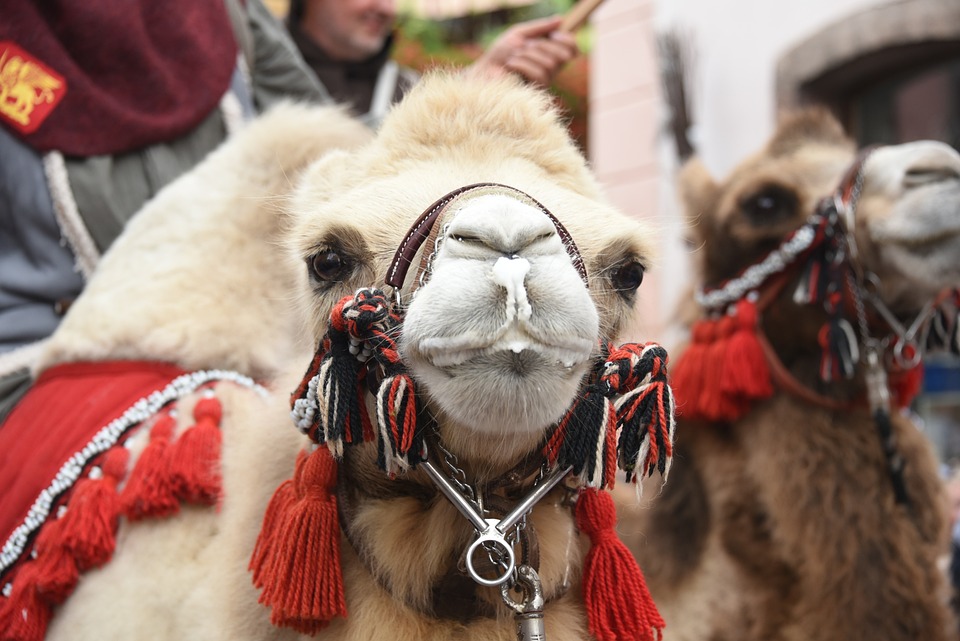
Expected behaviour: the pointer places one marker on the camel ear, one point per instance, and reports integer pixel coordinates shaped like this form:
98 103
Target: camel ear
797 129
698 192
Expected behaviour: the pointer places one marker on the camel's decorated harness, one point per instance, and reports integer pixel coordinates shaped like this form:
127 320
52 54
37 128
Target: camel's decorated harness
730 363
623 418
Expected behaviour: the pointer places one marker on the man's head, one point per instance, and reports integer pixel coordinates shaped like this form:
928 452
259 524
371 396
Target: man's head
349 30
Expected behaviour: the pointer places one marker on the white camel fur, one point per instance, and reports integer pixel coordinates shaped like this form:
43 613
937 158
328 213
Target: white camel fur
229 265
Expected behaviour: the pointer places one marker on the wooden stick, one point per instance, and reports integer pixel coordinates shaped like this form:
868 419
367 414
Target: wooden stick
578 15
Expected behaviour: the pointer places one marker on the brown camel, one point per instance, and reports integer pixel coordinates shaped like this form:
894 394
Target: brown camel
790 514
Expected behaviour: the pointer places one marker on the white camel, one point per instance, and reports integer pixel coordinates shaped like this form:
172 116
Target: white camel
520 287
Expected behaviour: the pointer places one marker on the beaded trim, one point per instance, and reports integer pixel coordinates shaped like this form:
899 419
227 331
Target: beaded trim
755 275
103 440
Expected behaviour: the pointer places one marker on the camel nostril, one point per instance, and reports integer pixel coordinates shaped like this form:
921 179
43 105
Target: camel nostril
921 176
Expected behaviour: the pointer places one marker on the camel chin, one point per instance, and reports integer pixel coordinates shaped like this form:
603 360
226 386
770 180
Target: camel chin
514 347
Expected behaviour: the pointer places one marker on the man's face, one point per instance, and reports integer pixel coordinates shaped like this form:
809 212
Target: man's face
352 29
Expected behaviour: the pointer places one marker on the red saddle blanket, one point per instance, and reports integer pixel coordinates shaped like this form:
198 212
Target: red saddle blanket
60 415
67 480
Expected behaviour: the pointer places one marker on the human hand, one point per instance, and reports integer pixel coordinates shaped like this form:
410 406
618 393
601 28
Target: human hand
535 50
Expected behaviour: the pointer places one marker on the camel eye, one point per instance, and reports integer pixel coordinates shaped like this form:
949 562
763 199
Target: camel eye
627 278
772 204
327 266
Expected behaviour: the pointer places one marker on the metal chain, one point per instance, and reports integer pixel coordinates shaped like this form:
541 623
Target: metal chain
458 477
428 268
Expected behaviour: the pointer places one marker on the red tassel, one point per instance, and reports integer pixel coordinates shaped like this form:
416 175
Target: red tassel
747 373
908 385
264 552
54 567
25 614
688 370
709 396
149 490
195 456
905 384
618 604
302 581
90 522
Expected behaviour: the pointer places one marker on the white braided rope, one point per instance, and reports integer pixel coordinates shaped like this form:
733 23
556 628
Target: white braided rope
65 209
232 112
755 275
103 440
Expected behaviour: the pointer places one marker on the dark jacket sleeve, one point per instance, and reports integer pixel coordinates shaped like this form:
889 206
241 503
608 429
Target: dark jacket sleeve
277 70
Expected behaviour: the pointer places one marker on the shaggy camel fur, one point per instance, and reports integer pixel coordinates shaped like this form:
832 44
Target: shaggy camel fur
783 524
499 339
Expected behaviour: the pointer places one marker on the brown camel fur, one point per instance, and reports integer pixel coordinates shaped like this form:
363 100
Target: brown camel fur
783 524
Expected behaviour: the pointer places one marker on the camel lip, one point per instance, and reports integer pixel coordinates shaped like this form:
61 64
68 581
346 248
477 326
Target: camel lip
442 353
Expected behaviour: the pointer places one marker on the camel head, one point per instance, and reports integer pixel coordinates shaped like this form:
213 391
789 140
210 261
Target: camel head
504 310
896 218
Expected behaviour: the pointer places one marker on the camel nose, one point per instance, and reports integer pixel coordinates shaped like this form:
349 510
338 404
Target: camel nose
914 165
500 225
510 273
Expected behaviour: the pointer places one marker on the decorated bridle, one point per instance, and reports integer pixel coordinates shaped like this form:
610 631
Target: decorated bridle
730 364
622 418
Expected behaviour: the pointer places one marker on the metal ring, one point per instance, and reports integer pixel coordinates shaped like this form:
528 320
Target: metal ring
494 537
899 356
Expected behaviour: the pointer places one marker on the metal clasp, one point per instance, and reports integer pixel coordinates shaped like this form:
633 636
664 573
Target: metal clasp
529 613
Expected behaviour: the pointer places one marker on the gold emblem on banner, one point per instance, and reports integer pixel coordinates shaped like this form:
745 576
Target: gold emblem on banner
24 85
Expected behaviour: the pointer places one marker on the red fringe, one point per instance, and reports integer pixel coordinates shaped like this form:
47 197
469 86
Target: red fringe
82 537
149 491
195 457
618 603
610 449
297 559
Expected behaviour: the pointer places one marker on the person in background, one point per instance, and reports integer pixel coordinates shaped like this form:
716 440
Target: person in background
102 104
347 43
